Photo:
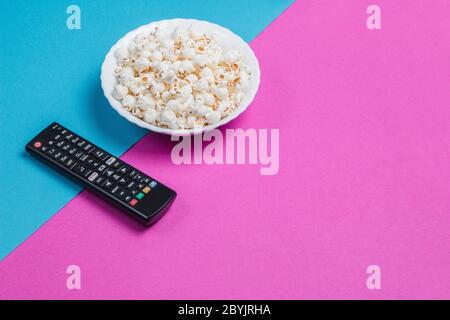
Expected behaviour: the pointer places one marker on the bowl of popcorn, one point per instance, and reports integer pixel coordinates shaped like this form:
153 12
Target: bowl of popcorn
180 76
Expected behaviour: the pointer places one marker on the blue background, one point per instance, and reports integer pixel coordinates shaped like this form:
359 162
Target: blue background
50 73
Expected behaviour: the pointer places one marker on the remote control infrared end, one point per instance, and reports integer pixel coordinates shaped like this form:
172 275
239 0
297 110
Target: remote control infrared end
117 182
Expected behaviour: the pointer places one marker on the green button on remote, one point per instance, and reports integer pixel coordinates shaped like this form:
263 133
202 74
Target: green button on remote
140 195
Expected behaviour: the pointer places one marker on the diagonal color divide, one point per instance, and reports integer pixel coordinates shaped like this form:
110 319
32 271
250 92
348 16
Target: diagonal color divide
364 179
50 73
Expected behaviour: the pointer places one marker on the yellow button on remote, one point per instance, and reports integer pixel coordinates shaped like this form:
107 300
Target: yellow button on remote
146 190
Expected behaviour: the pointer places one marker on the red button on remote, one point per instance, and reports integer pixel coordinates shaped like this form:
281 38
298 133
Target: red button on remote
133 202
37 144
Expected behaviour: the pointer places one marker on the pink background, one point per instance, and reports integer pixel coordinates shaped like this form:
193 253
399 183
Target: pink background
364 179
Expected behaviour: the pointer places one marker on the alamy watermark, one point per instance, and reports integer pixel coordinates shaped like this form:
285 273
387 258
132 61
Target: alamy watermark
73 281
374 279
237 146
73 21
373 21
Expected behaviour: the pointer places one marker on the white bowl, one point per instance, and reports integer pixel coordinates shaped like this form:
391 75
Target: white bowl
231 40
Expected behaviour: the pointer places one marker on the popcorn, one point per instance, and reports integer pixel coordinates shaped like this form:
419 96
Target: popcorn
180 79
213 117
189 53
151 115
200 60
121 54
137 112
206 73
221 92
158 88
167 43
128 101
186 66
191 121
203 110
157 56
209 98
119 92
168 118
192 78
135 90
126 73
148 102
232 56
202 85
173 105
141 64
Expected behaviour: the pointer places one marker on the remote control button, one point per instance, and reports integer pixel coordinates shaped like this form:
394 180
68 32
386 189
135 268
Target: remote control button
133 202
109 173
101 168
153 184
127 198
73 150
51 142
100 154
116 177
123 170
79 154
64 131
80 169
57 155
66 147
122 194
108 184
64 158
70 163
88 147
57 137
146 190
44 148
141 181
134 192
131 185
93 176
81 143
60 144
99 180
140 186
146 180
75 140
51 151
87 172
115 190
76 168
122 181
133 173
95 164
111 161
69 136
117 164
140 195
56 127
138 177
90 161
37 144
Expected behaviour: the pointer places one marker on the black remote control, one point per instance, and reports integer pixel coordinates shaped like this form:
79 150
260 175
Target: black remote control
119 183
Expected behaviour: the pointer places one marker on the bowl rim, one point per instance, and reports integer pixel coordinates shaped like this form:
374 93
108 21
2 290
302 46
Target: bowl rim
116 105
